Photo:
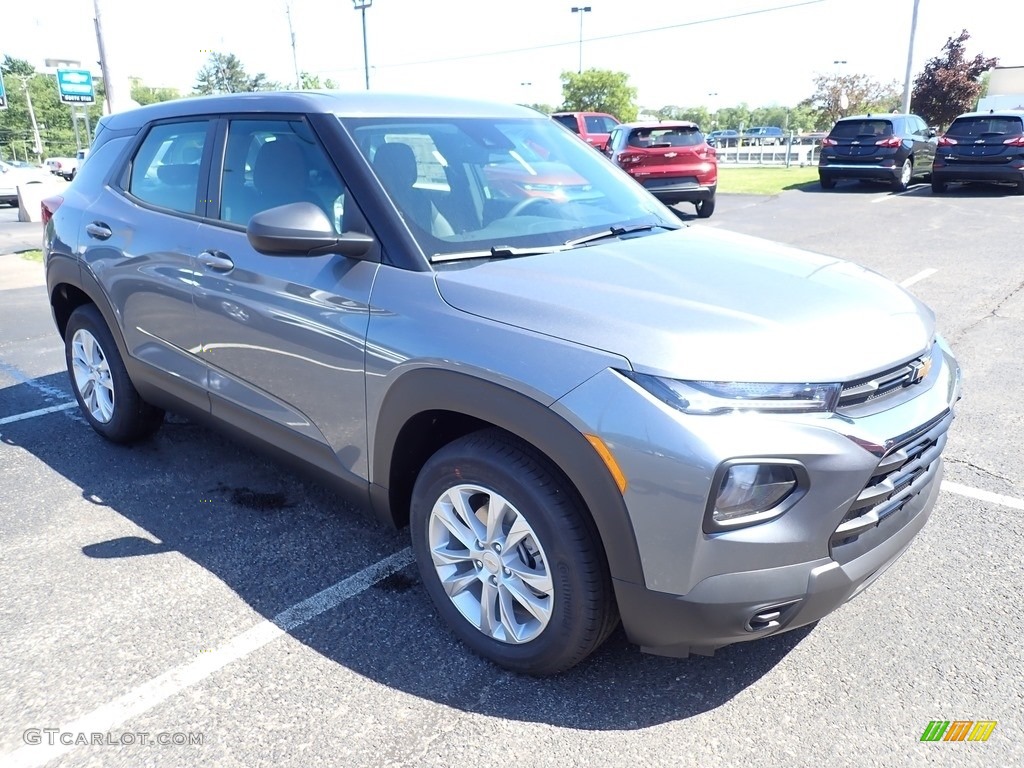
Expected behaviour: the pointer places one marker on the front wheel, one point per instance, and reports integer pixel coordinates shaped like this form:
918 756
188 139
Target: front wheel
105 394
705 208
509 556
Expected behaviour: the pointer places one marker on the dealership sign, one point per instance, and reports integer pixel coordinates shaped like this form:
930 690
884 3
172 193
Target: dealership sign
75 86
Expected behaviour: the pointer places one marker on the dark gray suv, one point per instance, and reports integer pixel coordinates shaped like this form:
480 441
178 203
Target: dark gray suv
891 148
466 320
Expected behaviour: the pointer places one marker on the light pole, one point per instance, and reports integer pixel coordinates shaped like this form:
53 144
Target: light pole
362 5
714 112
910 61
844 100
581 9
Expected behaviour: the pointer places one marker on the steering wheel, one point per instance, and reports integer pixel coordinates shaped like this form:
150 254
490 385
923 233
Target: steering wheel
528 202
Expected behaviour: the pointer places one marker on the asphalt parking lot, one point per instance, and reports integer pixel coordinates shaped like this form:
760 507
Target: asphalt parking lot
191 591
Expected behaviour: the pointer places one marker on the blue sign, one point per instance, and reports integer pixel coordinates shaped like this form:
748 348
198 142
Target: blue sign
75 86
3 94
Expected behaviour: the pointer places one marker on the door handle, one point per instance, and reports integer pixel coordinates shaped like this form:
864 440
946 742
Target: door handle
99 230
216 261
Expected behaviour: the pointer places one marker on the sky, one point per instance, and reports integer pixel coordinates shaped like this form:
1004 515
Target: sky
715 53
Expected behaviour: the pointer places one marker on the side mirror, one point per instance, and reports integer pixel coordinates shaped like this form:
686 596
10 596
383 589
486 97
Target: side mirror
303 229
933 131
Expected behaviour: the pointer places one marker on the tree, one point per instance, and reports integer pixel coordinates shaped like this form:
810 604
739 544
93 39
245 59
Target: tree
224 73
599 90
863 94
144 94
309 82
950 82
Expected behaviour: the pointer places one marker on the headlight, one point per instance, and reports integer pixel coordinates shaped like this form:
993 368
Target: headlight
712 397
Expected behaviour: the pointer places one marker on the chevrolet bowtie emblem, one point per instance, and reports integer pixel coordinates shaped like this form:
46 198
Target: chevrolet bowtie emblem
921 369
671 154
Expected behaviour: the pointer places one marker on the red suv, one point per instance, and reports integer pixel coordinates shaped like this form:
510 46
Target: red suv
592 127
672 160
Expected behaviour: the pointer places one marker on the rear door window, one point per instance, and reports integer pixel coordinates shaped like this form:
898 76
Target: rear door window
569 121
165 168
978 127
862 129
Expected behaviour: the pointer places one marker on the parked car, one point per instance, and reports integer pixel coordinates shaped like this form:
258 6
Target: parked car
65 167
724 138
893 148
670 159
764 134
592 127
981 146
582 409
14 176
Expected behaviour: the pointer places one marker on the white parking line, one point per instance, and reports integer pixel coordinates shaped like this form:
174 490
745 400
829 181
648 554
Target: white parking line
923 274
977 493
891 195
151 693
33 414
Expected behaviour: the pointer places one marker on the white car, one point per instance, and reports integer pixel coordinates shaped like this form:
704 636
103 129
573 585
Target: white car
13 176
65 167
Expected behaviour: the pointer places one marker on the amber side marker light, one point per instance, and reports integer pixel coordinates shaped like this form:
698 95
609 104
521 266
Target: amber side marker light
609 461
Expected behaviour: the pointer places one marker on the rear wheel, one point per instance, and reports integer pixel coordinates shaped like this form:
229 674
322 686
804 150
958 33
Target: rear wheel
705 208
938 187
906 173
105 394
1020 187
508 555
827 182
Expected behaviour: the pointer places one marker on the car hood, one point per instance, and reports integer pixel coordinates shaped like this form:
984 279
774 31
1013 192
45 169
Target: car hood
704 304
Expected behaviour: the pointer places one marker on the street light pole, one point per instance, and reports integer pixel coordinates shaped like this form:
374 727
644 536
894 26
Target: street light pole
581 9
38 148
910 61
362 5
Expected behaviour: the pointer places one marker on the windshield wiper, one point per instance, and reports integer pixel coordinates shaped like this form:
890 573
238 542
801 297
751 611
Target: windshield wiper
498 252
615 232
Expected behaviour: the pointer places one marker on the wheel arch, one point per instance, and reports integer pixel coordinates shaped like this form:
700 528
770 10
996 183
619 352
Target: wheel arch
427 408
69 287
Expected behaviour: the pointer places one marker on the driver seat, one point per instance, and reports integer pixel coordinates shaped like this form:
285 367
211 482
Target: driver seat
395 166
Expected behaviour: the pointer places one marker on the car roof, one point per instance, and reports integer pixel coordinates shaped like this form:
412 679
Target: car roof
662 124
343 104
880 116
994 113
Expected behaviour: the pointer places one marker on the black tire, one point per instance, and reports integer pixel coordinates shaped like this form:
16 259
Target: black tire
902 182
1019 188
132 418
705 208
827 182
938 187
582 608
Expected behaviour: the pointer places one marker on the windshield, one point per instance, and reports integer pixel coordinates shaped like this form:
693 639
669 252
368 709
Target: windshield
466 185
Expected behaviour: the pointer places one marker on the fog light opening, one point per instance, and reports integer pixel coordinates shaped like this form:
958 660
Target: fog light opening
752 492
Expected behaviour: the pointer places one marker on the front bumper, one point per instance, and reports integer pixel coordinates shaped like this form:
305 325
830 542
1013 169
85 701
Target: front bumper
736 607
705 590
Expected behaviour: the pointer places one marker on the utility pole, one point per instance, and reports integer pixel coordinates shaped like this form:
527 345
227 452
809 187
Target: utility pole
111 89
37 149
295 55
910 61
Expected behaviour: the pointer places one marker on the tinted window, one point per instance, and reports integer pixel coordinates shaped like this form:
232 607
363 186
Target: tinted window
861 129
665 137
569 121
966 127
165 169
595 124
268 163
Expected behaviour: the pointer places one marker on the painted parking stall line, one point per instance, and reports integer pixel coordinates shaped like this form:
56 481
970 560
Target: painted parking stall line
977 493
924 274
153 692
39 412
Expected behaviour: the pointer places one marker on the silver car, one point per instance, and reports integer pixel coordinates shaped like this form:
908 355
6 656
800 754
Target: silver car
582 408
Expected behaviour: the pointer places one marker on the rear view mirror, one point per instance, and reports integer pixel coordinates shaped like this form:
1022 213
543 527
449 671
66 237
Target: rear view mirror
303 229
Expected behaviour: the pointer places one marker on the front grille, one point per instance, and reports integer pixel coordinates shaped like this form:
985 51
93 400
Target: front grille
885 383
903 473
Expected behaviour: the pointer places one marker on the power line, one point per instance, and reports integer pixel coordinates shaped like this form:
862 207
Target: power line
546 46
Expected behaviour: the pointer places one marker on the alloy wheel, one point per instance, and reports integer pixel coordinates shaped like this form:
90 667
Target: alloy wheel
91 372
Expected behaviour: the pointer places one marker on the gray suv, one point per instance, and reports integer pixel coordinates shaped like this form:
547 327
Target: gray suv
469 322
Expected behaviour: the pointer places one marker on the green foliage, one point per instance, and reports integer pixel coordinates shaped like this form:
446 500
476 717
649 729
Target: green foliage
308 82
863 93
949 84
143 95
224 73
599 90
